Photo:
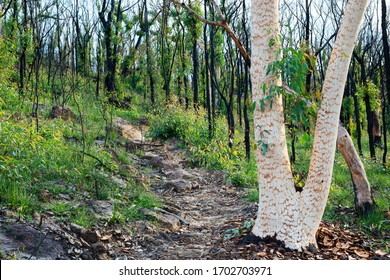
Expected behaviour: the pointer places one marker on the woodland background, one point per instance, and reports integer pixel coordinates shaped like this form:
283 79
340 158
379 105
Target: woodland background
153 65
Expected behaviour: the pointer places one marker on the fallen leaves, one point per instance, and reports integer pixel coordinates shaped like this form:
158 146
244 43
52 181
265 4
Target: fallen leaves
343 243
334 243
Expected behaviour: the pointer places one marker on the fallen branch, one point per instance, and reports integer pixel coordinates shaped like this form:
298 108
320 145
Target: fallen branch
172 214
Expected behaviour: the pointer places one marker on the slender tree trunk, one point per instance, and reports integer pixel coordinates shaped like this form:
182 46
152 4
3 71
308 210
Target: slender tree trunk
370 126
386 48
99 67
364 202
22 57
213 74
246 117
247 83
384 117
367 103
148 55
164 49
356 110
307 45
319 179
239 89
110 62
207 75
386 54
195 75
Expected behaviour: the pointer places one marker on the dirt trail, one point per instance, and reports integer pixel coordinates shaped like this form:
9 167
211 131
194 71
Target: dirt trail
200 197
198 206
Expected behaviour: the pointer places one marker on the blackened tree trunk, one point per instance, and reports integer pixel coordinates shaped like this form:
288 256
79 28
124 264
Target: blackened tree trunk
195 74
384 117
213 74
356 109
247 83
239 88
307 45
386 48
22 57
369 111
207 75
111 58
99 66
148 55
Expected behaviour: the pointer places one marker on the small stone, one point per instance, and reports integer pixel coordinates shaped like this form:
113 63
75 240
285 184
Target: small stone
91 236
179 186
72 188
156 161
201 181
63 113
169 222
103 209
166 221
127 130
179 174
86 256
99 248
64 196
77 229
45 196
99 143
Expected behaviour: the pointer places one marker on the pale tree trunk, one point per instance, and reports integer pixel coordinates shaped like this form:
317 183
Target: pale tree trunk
289 215
317 187
278 212
364 202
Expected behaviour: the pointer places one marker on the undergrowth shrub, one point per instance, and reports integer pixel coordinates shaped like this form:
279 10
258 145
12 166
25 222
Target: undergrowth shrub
30 159
213 153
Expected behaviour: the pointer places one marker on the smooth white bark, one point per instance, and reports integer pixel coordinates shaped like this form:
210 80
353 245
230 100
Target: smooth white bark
291 216
278 212
317 187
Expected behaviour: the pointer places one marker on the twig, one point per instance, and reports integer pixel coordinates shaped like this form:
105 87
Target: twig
99 160
172 214
39 245
145 144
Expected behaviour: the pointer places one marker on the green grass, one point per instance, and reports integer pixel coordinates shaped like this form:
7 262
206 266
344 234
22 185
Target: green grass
213 153
53 158
61 207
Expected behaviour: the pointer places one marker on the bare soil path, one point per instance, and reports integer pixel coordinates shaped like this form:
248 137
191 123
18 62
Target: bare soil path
204 201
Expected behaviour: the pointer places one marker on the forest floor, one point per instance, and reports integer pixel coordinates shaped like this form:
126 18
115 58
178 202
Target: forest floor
201 217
